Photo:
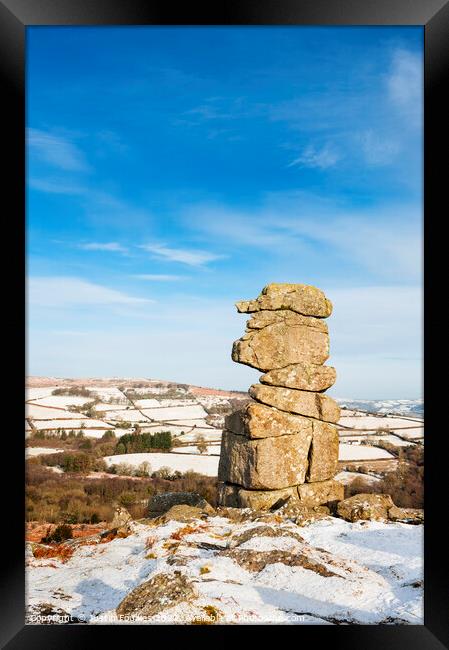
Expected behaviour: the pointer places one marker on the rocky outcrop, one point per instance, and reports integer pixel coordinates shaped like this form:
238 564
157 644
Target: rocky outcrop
162 502
365 506
283 446
163 591
406 515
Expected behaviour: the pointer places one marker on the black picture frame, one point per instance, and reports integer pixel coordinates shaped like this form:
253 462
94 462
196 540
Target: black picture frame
433 15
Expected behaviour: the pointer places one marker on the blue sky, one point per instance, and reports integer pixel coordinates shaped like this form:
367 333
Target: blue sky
174 171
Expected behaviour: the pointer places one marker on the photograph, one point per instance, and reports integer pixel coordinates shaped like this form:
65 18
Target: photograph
224 403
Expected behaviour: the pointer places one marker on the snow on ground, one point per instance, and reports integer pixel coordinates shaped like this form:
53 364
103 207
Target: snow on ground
62 401
390 438
361 452
375 574
374 422
36 393
407 407
38 451
47 413
185 433
147 403
195 412
105 407
412 434
88 423
213 450
207 465
105 392
126 415
208 435
348 477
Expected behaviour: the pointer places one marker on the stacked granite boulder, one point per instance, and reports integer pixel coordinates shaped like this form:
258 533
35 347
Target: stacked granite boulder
284 443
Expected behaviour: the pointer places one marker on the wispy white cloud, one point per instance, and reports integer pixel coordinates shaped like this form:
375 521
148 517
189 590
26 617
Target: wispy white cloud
71 291
159 277
405 84
184 256
112 246
56 186
386 240
56 150
378 150
321 158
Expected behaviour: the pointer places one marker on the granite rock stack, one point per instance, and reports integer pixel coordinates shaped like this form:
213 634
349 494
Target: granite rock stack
284 443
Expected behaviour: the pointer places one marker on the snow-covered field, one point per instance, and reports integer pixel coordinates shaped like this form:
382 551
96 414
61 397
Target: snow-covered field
371 573
361 452
185 418
207 465
170 413
38 451
37 412
61 401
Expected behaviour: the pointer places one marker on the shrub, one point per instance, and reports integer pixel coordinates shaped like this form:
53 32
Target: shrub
80 391
60 534
134 443
201 444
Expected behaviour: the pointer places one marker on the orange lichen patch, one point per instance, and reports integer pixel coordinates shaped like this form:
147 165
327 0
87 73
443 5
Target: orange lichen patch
187 530
34 532
59 551
150 542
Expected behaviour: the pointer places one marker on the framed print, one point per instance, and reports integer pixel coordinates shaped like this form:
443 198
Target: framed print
222 218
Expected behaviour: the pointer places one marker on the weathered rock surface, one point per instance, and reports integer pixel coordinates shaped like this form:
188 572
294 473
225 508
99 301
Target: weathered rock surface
323 455
261 319
279 345
264 464
262 531
301 298
121 518
281 448
237 497
302 376
320 492
184 513
256 420
406 515
256 561
365 506
163 502
314 405
302 515
164 590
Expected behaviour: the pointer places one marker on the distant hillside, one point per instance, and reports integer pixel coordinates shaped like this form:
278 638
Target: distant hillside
411 407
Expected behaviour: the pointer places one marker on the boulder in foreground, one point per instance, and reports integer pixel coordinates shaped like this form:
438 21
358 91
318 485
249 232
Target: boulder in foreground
163 591
406 515
163 502
320 493
235 496
366 507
